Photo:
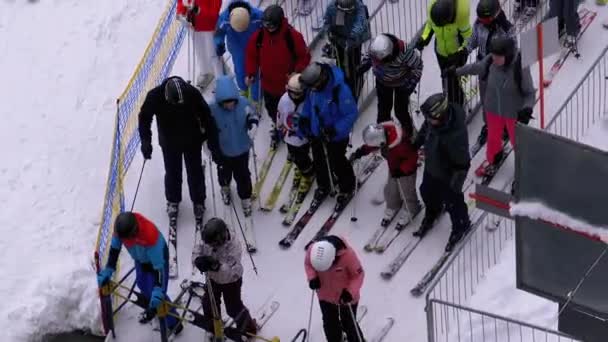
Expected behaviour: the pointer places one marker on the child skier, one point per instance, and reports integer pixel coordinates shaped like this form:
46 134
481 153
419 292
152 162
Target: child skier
398 71
334 271
298 148
347 24
219 256
235 125
396 146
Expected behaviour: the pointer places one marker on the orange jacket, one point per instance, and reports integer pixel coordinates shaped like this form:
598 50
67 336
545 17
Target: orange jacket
209 12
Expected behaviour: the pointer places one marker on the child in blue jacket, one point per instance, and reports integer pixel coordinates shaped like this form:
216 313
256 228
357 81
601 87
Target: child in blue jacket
234 123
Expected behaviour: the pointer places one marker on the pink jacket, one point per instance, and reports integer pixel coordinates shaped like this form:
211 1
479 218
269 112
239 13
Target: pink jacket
347 273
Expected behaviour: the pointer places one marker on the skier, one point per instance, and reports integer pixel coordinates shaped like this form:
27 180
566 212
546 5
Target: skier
449 21
509 96
327 119
398 71
148 248
334 271
235 124
347 26
274 52
182 120
202 16
298 148
568 20
219 256
491 22
395 144
447 161
234 28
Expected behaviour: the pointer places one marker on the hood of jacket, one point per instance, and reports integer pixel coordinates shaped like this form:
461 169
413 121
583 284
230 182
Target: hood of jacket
226 89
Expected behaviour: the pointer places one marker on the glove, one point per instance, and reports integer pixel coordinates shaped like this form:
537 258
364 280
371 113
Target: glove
252 130
346 297
461 55
303 124
156 298
206 263
314 284
328 133
448 72
420 44
104 276
457 180
384 151
328 51
525 115
146 150
220 50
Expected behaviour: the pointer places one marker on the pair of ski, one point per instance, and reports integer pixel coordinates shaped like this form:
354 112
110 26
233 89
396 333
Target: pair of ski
291 237
383 237
173 264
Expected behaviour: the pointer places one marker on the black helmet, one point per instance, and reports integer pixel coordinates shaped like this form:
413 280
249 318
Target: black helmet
443 12
503 46
315 76
488 8
215 232
435 106
346 5
125 225
174 90
273 17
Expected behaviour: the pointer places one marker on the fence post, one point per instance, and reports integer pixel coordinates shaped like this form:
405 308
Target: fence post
430 324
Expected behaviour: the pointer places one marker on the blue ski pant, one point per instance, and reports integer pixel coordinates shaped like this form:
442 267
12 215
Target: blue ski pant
144 279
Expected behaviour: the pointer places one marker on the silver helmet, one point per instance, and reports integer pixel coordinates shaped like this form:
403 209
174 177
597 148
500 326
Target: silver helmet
374 135
381 47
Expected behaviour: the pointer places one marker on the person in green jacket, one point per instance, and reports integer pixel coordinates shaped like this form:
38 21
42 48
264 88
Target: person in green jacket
449 21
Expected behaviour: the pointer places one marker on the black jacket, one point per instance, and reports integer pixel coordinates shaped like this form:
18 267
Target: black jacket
179 126
446 148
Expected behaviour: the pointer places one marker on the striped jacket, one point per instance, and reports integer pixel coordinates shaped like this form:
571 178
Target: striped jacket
483 34
403 68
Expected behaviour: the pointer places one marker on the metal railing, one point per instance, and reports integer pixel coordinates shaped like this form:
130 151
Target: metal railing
470 325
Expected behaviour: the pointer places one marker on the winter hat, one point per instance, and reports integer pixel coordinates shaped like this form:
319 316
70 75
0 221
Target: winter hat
239 19
443 12
435 106
504 46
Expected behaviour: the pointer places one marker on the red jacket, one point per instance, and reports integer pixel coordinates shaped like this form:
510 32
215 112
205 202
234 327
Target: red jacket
209 12
347 273
402 157
275 59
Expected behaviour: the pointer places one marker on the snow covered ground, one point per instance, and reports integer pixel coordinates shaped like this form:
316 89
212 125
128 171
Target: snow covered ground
64 63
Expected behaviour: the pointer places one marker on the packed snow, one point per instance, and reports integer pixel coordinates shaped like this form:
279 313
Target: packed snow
598 134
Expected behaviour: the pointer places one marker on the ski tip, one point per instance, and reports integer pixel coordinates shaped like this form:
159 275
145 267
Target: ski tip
416 292
266 209
386 275
353 219
368 248
379 250
284 244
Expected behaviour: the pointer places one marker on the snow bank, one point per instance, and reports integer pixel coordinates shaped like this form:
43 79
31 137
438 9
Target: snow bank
598 135
64 63
537 210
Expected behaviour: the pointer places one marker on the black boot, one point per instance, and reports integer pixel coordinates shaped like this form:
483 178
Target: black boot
427 223
483 135
456 236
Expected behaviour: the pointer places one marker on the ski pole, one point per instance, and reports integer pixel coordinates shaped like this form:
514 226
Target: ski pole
312 300
418 99
189 54
255 269
353 218
141 173
355 324
402 194
218 325
329 174
255 170
212 185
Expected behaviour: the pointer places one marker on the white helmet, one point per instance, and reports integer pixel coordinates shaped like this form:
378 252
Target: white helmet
239 19
381 47
294 84
373 135
322 255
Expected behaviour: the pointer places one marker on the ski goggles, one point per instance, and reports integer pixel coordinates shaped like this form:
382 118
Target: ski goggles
486 20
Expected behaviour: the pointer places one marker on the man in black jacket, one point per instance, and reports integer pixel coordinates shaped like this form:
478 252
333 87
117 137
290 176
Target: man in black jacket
182 118
447 161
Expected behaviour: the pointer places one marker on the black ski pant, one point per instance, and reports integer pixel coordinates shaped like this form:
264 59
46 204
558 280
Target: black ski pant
399 97
451 83
339 164
271 102
566 12
237 167
349 60
235 308
436 194
337 319
300 155
191 156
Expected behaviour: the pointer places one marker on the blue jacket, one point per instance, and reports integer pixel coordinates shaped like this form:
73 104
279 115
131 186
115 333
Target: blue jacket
355 30
236 41
321 109
230 136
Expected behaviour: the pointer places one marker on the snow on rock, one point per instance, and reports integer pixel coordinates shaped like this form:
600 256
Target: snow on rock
537 210
64 63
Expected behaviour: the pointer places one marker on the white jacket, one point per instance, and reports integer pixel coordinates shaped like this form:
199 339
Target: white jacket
229 257
287 113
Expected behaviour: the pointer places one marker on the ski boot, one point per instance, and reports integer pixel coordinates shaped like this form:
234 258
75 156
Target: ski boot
177 329
388 217
456 236
425 226
529 12
275 137
203 80
246 204
343 198
405 218
199 212
482 138
172 209
225 193
305 183
321 194
570 42
517 11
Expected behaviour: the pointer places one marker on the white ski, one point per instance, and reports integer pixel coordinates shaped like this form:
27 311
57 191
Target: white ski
249 234
400 259
388 239
380 335
173 269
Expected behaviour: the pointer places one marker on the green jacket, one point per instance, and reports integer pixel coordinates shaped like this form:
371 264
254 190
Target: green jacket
452 37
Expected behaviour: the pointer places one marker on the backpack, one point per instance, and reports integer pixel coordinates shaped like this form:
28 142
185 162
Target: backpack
517 73
291 46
